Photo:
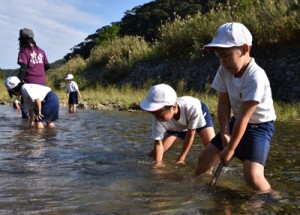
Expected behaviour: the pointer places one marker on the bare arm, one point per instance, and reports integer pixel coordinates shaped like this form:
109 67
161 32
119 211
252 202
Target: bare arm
31 117
224 110
188 142
159 152
79 94
246 111
38 104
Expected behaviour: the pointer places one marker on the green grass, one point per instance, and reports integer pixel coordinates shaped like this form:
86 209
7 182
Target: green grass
125 97
269 22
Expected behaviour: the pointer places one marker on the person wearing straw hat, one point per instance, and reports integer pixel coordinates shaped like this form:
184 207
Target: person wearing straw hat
243 89
72 93
42 102
174 119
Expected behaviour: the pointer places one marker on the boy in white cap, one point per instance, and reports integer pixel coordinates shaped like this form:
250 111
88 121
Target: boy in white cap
41 101
243 88
175 118
72 93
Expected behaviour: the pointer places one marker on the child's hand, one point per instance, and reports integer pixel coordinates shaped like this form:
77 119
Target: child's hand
159 164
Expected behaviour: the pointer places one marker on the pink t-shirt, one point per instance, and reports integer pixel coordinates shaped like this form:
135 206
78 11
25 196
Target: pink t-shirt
35 59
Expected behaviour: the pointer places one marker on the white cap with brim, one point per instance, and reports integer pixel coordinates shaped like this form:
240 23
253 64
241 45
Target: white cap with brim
159 96
11 82
229 35
69 77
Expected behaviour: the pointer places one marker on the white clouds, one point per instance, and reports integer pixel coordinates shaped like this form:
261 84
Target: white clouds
58 26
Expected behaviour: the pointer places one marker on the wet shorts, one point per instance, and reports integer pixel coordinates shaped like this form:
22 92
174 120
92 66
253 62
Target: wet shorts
73 98
208 120
50 108
255 143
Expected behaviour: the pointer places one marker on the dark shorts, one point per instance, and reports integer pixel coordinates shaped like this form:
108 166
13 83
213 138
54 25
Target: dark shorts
24 109
73 98
208 120
50 108
255 143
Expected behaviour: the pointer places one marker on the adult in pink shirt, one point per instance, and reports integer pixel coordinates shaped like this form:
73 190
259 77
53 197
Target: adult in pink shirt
32 60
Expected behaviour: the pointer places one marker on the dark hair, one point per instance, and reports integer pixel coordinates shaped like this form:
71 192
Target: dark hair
26 43
17 89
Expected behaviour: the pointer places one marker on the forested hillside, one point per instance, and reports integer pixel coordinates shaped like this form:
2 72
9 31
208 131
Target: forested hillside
145 21
162 41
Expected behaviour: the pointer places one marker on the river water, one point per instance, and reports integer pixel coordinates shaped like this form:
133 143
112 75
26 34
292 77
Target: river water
95 162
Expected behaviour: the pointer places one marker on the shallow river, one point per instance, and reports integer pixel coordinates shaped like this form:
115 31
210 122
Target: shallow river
95 162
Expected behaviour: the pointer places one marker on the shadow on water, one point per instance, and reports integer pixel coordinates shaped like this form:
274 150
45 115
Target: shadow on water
95 162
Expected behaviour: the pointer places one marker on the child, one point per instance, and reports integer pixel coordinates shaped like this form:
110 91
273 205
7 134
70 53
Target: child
176 118
72 93
244 88
41 101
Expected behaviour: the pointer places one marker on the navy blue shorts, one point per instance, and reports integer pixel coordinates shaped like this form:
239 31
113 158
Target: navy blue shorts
255 143
50 108
73 98
208 120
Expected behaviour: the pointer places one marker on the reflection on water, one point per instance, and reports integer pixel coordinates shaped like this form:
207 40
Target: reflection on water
95 162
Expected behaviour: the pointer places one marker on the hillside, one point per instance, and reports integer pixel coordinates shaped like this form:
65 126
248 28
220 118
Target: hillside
162 41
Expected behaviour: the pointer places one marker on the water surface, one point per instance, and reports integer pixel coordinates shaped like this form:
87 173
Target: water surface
95 162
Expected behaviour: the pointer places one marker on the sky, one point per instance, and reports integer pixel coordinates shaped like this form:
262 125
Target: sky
58 25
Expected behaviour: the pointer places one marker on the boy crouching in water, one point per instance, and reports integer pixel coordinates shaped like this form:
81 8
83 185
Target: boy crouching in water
176 118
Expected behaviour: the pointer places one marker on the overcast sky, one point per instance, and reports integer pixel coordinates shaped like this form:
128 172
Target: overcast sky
58 25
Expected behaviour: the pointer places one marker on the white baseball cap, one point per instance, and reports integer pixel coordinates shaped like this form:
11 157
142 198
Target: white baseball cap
11 82
231 34
159 96
69 77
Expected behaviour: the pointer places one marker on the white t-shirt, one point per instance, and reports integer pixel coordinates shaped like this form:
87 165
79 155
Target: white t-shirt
191 117
72 87
254 85
32 92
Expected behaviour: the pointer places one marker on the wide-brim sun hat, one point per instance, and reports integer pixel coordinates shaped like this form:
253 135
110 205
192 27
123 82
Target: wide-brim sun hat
159 96
231 34
11 82
69 77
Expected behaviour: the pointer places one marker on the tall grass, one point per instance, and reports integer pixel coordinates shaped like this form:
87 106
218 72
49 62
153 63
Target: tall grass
269 22
125 97
75 66
118 57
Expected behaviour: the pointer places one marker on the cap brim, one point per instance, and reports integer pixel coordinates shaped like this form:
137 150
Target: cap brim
216 45
150 106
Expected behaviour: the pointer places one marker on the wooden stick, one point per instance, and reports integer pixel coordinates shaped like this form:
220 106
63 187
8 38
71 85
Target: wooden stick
215 177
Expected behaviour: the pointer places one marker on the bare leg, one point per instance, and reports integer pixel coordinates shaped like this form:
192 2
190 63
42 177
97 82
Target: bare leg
167 143
206 135
74 108
50 124
39 125
254 176
209 157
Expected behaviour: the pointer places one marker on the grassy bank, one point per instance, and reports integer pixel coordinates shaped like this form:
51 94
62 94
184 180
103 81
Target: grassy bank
269 21
127 98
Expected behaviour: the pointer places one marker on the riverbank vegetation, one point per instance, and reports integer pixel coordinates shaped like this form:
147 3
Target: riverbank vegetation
128 98
168 30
